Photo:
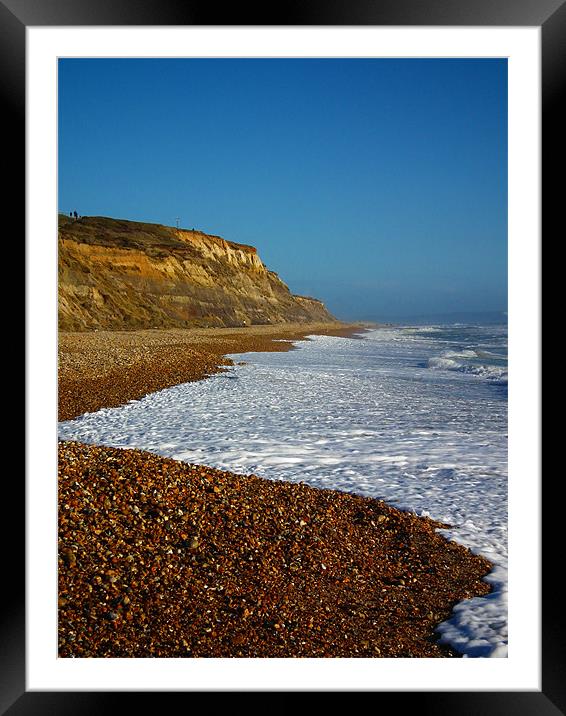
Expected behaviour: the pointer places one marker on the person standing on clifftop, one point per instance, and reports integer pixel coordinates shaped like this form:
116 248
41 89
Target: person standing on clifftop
75 214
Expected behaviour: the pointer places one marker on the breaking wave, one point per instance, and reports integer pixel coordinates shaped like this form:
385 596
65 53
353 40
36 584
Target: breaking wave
466 361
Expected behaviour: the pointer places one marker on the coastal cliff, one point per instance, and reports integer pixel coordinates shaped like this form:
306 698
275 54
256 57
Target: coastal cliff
117 274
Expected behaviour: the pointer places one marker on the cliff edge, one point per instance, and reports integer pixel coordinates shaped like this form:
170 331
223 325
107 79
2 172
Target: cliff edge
117 274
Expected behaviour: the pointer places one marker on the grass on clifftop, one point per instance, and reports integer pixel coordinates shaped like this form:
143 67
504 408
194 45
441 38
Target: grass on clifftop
123 233
104 231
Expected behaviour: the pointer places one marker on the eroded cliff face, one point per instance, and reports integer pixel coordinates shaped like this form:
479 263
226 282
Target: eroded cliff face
122 274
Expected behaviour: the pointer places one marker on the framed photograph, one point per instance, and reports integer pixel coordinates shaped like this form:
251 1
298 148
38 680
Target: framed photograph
507 67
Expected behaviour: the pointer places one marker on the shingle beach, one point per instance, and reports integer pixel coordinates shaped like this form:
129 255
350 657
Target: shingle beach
160 558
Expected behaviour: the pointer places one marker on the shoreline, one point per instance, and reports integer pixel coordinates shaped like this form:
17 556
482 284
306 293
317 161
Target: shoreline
105 369
398 616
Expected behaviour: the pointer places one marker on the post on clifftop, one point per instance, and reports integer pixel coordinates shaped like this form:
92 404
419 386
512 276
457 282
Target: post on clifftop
177 219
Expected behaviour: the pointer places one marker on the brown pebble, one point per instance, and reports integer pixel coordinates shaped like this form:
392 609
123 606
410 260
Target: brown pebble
69 557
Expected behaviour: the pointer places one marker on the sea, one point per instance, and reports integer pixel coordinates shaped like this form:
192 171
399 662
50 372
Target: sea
415 415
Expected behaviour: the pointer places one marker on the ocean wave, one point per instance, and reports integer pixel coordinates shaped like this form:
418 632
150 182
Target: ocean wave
465 353
442 363
489 354
447 361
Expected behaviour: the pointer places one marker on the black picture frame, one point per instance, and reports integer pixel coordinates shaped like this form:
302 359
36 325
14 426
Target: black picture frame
15 16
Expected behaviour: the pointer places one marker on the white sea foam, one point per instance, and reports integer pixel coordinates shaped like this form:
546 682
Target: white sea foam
365 416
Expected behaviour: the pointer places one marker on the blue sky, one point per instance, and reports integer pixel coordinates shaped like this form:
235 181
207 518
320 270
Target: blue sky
378 185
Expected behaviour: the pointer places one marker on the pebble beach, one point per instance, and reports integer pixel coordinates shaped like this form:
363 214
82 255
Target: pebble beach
160 558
